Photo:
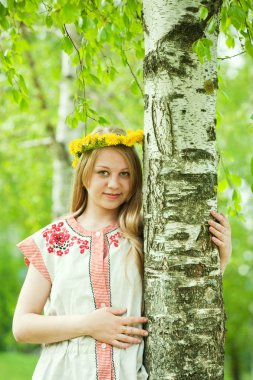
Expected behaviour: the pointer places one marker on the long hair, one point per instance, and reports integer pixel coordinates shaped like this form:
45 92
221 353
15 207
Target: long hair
130 218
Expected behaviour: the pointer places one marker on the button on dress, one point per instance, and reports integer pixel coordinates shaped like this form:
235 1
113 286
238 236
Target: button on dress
87 270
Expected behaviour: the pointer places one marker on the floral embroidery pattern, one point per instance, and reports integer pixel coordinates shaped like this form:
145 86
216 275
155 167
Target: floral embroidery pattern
58 240
114 240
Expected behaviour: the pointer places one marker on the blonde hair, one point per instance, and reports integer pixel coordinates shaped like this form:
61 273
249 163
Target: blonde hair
130 218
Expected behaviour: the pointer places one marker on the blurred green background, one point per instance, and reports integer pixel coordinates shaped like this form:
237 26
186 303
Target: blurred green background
26 184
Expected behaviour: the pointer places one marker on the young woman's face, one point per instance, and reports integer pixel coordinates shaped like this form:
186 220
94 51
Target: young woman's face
110 184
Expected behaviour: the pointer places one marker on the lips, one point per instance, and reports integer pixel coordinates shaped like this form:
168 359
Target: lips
112 196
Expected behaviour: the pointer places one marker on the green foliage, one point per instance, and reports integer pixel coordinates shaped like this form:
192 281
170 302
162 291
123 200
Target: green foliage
17 366
202 47
98 29
235 23
203 13
234 136
103 42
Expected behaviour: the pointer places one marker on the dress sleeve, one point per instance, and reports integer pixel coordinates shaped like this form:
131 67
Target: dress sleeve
33 255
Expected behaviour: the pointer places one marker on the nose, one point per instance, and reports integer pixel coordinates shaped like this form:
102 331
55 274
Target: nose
113 182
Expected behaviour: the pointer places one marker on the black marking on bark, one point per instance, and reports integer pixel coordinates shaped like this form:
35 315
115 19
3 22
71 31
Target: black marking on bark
164 138
201 90
144 25
202 178
171 129
175 95
146 101
202 110
183 112
194 155
211 133
185 59
180 236
202 233
154 118
192 9
185 32
155 62
173 218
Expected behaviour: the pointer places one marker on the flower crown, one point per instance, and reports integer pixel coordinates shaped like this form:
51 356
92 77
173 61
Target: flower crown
96 140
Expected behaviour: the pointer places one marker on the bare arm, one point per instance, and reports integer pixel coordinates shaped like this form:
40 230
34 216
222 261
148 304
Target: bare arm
105 325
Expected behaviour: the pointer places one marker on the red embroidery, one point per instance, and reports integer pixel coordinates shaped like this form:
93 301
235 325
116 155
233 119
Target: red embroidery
114 240
58 240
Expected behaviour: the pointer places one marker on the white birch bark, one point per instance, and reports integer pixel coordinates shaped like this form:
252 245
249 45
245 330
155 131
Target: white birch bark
62 171
183 287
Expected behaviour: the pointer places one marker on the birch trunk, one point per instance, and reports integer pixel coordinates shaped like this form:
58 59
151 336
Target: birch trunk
182 280
62 171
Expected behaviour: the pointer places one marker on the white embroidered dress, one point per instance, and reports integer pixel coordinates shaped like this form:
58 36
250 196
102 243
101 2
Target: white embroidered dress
86 270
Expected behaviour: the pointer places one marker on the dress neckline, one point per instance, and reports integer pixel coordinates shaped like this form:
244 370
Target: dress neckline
76 226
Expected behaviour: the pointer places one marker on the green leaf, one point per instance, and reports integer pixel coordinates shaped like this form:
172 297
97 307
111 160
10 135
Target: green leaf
94 78
23 105
238 16
10 75
252 188
72 121
67 45
22 85
203 13
237 181
251 117
236 196
69 13
222 185
103 121
102 35
16 95
134 88
140 54
202 48
49 21
212 24
3 17
126 20
230 42
249 47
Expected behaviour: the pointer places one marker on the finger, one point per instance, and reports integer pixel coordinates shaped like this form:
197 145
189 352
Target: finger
128 339
218 234
217 226
118 344
218 242
129 330
134 320
117 311
221 218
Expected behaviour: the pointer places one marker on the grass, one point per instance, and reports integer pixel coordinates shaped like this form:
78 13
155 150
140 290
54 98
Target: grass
17 366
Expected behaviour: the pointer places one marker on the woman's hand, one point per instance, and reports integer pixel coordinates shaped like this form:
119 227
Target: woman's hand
108 326
222 237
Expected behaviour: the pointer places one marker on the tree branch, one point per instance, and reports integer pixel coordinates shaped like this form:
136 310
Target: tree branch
232 56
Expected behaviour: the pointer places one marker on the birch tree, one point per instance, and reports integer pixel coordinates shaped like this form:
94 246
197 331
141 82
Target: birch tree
182 268
182 275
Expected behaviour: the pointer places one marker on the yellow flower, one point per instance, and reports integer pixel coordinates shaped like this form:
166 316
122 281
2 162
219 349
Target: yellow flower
75 162
96 140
